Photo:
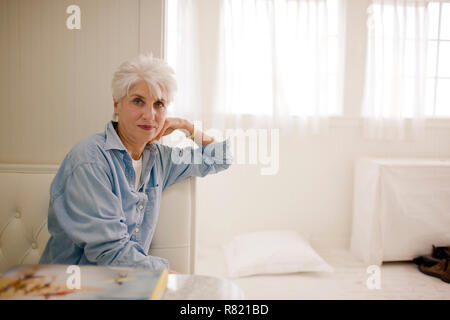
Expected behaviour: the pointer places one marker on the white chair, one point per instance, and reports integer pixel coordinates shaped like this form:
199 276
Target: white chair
24 197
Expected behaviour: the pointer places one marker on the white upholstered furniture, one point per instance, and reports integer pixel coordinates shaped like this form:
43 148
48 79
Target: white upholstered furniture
24 196
401 207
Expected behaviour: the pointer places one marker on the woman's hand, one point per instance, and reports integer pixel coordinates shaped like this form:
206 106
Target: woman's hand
170 125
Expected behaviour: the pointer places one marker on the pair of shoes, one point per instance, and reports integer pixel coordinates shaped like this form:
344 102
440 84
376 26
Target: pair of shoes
441 252
439 270
436 265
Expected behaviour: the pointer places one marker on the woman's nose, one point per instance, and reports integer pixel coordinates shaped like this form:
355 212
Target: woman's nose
149 112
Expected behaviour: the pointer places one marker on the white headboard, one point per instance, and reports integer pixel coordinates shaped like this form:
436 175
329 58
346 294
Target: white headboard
24 197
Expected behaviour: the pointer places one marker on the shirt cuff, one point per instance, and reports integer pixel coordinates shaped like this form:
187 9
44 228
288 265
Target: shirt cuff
219 152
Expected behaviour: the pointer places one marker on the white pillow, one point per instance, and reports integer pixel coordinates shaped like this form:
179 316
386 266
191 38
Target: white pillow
269 252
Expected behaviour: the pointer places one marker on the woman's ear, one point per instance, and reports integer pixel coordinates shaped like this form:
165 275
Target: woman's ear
116 111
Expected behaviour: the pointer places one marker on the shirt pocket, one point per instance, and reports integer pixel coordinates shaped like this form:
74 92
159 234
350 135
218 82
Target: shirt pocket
153 194
151 215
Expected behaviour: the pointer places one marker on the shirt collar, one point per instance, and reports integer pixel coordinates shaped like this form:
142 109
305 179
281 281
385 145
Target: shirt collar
113 141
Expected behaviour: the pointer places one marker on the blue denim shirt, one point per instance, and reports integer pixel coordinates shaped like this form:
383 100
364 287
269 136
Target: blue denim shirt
96 216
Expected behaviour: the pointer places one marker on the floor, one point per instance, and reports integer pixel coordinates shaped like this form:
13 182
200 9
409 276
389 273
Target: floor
399 280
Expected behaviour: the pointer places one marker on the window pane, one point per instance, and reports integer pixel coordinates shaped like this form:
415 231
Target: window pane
409 19
172 49
333 17
445 22
171 33
410 58
429 107
250 77
444 56
333 55
433 18
333 96
431 57
172 15
383 16
408 98
443 98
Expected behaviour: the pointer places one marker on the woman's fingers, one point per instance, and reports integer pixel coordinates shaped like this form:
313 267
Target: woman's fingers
168 128
170 125
161 133
163 130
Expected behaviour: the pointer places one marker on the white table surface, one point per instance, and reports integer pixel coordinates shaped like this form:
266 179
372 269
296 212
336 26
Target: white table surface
199 287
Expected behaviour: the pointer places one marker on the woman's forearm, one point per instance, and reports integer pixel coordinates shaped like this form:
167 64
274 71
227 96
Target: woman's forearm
196 135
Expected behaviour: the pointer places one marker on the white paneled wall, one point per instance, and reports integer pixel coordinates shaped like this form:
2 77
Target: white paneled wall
55 82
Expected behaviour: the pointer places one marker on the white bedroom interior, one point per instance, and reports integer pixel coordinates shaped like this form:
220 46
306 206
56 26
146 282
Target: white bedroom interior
55 85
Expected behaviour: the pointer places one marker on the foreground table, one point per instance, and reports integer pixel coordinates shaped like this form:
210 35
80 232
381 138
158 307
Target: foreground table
198 287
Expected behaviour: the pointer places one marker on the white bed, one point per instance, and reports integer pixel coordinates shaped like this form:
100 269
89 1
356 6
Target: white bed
399 280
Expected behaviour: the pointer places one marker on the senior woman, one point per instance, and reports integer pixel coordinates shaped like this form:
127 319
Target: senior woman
105 197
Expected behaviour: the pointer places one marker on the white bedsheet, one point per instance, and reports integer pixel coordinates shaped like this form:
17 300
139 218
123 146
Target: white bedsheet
399 280
401 207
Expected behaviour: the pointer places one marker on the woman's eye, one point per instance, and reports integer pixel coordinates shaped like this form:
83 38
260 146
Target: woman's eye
137 101
159 104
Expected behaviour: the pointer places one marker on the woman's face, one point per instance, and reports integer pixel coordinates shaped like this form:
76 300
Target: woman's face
141 115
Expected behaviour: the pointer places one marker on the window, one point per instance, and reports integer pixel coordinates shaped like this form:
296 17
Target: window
171 33
406 58
261 81
438 67
288 52
281 55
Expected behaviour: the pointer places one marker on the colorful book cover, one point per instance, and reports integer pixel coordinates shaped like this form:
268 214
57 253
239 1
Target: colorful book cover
80 282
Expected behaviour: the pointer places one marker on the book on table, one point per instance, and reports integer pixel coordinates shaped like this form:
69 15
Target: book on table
82 282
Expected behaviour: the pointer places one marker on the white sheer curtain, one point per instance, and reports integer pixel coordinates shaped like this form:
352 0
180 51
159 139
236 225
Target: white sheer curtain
188 66
275 64
395 86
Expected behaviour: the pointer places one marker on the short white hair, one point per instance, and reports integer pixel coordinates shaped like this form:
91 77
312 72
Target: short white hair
159 76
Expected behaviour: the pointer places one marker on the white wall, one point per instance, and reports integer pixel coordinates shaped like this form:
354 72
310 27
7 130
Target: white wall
55 82
312 192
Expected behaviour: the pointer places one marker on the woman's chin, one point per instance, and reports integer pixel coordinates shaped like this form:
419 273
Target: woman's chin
146 137
150 140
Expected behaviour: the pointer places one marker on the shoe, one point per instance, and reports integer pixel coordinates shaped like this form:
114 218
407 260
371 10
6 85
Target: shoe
441 252
446 275
426 260
439 270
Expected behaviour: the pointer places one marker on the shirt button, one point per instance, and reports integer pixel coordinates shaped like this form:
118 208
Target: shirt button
141 207
34 245
137 230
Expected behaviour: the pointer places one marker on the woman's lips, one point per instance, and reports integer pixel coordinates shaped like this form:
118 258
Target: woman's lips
146 127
